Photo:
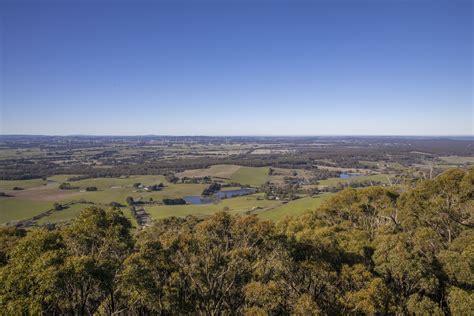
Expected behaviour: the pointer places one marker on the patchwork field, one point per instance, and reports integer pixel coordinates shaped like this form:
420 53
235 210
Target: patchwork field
39 195
297 164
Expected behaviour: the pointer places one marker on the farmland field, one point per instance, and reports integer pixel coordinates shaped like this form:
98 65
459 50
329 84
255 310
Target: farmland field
239 205
108 183
72 211
65 214
218 171
244 175
296 207
255 158
13 209
455 160
38 198
24 184
376 177
251 176
125 167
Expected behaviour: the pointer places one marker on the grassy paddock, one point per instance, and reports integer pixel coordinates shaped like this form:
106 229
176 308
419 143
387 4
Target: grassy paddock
121 193
334 181
221 171
108 183
73 211
14 210
64 215
295 207
6 185
457 160
53 181
35 201
238 205
251 176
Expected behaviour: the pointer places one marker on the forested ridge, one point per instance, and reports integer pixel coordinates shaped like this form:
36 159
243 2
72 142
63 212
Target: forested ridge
381 250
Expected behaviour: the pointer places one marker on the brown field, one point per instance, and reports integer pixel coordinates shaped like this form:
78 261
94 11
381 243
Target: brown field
218 171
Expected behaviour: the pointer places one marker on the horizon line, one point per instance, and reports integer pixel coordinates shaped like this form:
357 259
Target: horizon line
242 135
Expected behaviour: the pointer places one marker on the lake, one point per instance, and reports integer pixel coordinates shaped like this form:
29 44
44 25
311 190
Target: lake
194 199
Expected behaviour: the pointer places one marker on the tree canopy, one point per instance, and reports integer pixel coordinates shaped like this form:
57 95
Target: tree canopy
373 250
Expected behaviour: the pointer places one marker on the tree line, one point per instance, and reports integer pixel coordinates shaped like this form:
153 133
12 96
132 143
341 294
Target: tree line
373 250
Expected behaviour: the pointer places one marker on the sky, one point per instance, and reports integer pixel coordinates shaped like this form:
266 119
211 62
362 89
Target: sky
236 67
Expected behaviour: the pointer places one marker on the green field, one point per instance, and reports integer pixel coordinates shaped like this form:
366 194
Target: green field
369 163
119 194
295 207
457 160
32 200
268 209
64 215
72 211
23 153
7 185
236 205
108 183
334 181
13 210
61 177
251 176
25 184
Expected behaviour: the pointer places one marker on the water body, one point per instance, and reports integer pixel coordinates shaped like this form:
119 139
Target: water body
233 193
348 175
194 199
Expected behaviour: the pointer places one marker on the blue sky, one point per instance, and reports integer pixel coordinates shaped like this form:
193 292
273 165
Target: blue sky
237 68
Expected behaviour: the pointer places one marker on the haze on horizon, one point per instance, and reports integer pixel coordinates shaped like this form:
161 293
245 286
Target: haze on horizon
228 68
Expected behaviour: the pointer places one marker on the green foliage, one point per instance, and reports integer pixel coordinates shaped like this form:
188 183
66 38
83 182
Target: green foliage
9 237
461 302
419 305
67 271
367 251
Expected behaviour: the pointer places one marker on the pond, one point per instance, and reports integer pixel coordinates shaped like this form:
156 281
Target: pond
194 199
197 200
348 175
